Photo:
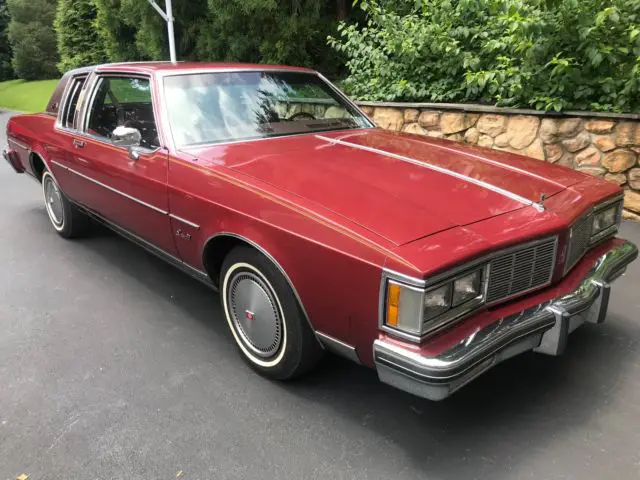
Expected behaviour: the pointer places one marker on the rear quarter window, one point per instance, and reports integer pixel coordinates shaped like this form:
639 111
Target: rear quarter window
53 107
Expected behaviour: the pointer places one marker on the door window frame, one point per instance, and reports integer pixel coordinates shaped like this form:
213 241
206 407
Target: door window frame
64 103
95 80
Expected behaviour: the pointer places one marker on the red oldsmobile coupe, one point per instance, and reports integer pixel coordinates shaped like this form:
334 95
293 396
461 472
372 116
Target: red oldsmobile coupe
428 260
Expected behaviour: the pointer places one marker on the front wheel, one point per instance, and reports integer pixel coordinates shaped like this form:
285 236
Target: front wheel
65 217
264 316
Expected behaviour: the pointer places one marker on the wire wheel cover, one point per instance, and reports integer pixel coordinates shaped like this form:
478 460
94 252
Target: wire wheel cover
255 314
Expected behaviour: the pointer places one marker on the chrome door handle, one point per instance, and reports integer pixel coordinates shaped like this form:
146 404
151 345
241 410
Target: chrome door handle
78 143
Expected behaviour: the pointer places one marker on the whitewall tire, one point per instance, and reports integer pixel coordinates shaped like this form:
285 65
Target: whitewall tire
264 316
65 217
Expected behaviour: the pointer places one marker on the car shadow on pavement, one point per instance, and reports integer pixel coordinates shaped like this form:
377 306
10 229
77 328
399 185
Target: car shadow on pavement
486 430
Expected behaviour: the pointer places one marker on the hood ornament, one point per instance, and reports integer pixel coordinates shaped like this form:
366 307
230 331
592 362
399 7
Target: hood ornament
543 197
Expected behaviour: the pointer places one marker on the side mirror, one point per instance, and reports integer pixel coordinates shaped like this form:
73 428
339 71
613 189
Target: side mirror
134 152
126 136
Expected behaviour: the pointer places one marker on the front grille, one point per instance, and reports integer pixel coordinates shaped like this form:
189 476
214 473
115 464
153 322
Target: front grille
579 236
521 270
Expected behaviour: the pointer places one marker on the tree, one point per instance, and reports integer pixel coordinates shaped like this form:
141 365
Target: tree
78 41
271 31
6 71
32 38
116 35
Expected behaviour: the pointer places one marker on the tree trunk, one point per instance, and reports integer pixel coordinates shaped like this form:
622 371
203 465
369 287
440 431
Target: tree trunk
342 9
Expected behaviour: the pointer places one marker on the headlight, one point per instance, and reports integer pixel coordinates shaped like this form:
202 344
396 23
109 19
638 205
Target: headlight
606 219
416 311
437 301
465 288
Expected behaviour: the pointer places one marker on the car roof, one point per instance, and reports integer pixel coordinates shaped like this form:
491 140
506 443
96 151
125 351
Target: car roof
168 67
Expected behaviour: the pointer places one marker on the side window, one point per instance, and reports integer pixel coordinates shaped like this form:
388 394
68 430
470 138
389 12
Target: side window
70 111
123 102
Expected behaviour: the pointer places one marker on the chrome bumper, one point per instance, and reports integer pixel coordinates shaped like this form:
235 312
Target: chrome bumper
543 328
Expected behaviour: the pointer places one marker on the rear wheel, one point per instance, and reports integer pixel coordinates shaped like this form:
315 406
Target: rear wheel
65 217
264 316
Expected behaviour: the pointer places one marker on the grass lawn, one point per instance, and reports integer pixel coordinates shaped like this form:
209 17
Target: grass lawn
25 96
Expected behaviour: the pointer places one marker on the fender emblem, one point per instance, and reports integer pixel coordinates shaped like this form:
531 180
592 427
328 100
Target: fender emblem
182 234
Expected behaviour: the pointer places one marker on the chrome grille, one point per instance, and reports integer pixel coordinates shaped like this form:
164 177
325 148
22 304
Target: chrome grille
579 236
521 270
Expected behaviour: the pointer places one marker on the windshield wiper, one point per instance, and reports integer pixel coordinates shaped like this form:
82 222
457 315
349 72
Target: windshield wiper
334 123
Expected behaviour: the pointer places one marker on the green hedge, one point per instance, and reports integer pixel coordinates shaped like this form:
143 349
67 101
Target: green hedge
562 54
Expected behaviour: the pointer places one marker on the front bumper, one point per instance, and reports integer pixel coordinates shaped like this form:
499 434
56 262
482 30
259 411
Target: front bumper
12 159
543 328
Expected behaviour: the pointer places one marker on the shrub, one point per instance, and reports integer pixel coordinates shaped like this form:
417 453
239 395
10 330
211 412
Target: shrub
579 54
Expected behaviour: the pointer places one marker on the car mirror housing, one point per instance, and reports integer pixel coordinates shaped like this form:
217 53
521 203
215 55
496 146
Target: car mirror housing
126 136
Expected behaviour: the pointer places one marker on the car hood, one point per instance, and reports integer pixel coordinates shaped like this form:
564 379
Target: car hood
401 187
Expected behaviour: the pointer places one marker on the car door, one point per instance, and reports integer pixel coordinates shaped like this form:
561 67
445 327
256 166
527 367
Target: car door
125 176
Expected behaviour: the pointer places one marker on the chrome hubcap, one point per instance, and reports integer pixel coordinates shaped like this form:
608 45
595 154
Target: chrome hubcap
254 313
53 201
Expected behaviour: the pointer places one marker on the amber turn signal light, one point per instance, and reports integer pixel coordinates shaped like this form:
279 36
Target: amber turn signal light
393 304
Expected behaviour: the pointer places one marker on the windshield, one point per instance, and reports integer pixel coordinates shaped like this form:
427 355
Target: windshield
230 106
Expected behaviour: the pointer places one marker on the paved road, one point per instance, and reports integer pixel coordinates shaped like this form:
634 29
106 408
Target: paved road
114 365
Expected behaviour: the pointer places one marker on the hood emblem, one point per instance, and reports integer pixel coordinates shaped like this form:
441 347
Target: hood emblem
543 197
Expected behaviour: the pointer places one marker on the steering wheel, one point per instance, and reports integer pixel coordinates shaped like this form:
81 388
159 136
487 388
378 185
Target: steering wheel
301 116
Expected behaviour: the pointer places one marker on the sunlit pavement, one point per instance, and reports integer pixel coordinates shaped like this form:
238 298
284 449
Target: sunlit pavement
114 365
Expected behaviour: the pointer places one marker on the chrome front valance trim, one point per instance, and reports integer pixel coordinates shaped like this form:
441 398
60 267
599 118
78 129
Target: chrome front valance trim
436 168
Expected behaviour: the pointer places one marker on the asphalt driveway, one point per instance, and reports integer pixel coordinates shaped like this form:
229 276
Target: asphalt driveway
114 365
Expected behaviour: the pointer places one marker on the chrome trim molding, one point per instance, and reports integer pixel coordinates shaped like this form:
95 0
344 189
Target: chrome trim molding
542 328
498 164
18 143
347 100
436 168
161 75
277 265
57 164
114 190
338 347
606 203
186 222
150 247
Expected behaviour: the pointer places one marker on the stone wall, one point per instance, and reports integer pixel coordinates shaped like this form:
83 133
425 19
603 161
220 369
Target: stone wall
606 146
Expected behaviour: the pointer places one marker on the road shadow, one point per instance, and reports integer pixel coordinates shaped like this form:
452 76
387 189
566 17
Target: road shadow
489 429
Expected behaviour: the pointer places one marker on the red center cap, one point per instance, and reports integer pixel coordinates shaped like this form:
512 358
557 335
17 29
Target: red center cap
249 315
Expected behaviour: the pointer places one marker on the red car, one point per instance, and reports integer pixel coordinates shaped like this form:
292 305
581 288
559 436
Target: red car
428 260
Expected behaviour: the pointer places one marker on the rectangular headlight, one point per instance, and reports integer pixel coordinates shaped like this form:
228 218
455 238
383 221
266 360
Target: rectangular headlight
467 287
437 301
606 220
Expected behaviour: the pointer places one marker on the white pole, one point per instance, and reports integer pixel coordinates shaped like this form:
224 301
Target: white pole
172 40
167 17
